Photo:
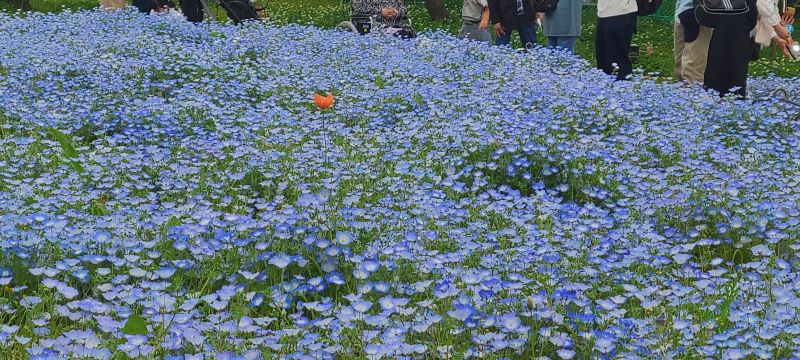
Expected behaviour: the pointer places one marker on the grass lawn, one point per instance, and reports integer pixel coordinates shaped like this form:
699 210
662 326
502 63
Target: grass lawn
653 32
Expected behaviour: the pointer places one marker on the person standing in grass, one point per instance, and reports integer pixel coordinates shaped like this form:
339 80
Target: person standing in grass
509 15
616 23
562 26
475 15
691 41
729 54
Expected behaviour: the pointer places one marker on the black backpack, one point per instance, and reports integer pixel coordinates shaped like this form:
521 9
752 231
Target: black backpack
647 7
720 13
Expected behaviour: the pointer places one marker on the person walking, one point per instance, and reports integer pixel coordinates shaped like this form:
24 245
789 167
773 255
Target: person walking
691 41
510 15
475 17
729 54
616 23
562 26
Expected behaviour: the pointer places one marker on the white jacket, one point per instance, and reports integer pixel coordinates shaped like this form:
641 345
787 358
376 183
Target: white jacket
768 16
609 8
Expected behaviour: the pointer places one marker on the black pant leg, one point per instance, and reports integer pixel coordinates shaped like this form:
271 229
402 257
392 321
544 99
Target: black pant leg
627 27
144 6
600 47
729 55
729 60
613 43
193 10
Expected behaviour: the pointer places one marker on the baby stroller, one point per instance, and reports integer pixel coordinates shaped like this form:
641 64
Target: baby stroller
366 23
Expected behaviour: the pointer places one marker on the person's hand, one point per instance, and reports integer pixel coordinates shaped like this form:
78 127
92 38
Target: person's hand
783 33
483 25
782 44
389 13
540 16
788 16
499 30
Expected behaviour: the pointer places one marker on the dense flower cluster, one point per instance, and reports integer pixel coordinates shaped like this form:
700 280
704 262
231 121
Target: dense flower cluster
171 191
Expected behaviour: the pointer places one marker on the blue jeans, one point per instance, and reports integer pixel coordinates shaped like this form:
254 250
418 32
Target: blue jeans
527 34
473 32
564 42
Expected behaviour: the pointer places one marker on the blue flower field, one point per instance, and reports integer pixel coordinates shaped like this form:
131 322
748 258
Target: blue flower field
171 191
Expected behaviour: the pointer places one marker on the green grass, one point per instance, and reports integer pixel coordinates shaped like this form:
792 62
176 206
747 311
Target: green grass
655 32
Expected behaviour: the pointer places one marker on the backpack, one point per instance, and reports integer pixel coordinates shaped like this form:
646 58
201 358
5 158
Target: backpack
545 5
720 13
647 7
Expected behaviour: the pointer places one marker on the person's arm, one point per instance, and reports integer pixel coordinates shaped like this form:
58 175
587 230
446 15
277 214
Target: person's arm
484 24
768 12
484 19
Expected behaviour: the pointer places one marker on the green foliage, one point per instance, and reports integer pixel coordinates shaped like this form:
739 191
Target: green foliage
69 150
135 326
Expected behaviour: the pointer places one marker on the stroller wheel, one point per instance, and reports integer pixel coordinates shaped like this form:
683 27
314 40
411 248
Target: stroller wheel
346 26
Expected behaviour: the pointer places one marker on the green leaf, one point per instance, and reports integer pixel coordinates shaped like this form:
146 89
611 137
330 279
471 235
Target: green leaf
135 326
66 143
66 146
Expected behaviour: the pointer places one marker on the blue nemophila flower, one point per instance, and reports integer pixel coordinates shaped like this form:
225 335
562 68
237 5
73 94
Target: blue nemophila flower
281 261
344 238
595 214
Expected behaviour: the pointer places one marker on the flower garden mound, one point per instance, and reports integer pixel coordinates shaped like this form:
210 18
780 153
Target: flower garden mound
169 189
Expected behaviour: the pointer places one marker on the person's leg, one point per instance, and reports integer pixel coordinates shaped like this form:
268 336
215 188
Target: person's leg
600 43
618 35
483 35
728 60
473 32
567 43
503 40
527 33
678 45
626 30
193 10
464 32
552 41
713 77
742 63
144 6
695 57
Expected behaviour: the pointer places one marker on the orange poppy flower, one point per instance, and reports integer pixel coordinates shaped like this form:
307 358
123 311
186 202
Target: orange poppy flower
323 101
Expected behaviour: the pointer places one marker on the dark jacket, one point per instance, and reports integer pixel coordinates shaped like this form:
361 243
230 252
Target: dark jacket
505 12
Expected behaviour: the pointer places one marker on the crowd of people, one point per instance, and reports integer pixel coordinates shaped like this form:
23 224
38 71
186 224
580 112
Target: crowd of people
716 58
